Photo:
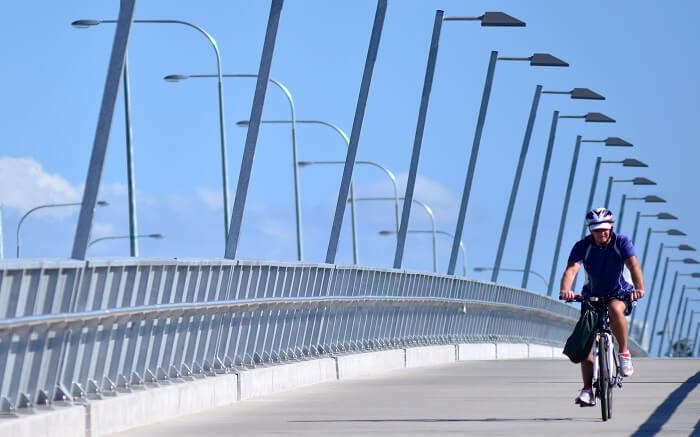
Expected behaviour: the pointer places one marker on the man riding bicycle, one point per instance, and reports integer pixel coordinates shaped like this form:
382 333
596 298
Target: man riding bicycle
604 254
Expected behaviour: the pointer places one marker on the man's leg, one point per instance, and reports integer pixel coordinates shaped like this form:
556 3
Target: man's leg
618 323
587 370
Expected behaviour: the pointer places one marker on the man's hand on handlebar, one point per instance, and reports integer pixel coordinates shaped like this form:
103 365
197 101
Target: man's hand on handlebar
567 295
637 294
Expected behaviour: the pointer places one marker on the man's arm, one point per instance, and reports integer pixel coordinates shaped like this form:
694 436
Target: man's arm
565 291
637 278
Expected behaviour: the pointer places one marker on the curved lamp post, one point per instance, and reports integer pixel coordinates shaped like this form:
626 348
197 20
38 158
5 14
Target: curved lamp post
488 19
174 78
121 237
82 24
346 139
448 234
576 93
387 172
52 205
609 142
428 211
532 272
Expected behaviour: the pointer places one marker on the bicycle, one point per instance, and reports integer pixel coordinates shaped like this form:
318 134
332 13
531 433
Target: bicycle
606 366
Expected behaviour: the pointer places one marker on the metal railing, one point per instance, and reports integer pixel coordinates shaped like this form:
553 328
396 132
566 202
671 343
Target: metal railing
74 330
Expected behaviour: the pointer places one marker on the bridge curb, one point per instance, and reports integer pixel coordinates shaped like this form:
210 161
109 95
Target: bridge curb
175 398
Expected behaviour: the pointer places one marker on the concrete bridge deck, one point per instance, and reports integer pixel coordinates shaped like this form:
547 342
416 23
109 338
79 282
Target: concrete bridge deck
528 397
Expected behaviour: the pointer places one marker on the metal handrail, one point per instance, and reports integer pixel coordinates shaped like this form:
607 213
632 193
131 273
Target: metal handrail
153 312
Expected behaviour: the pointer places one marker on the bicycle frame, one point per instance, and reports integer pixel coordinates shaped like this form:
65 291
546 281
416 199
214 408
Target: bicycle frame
603 333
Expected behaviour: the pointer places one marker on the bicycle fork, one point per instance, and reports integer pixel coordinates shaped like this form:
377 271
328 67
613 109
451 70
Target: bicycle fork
612 360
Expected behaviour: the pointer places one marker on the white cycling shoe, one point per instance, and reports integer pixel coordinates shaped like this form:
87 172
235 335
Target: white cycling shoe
585 398
626 368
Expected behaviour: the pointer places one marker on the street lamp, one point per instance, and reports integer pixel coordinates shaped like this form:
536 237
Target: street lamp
52 205
83 24
629 162
609 142
488 19
175 78
687 333
678 310
660 216
428 210
621 211
672 232
387 172
685 247
576 93
448 234
532 272
538 59
120 237
668 307
661 292
346 139
635 181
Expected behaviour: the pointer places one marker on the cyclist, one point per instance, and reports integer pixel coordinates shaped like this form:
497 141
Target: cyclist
604 254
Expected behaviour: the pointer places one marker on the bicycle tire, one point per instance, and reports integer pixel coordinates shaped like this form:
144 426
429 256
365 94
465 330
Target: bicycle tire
614 370
604 388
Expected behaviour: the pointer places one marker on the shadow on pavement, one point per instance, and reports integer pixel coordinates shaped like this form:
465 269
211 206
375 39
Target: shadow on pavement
490 419
663 412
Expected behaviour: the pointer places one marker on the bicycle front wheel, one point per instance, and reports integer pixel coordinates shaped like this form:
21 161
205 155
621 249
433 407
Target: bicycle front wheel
604 383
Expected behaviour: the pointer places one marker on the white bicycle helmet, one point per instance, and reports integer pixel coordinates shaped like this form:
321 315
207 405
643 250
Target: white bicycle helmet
600 218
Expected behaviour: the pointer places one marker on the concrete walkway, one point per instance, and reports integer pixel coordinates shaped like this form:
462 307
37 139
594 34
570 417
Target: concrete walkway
529 397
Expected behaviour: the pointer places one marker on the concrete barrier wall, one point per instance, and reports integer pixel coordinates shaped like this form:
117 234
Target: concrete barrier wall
352 365
430 355
174 398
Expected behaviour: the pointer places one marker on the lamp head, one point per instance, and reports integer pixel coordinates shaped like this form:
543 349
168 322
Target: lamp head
102 203
686 247
690 261
695 275
84 24
615 141
630 162
585 93
156 236
242 123
666 216
653 199
175 77
546 60
385 232
597 117
675 232
479 269
500 19
303 163
643 181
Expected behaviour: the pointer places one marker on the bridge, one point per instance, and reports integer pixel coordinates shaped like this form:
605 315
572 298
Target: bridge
92 347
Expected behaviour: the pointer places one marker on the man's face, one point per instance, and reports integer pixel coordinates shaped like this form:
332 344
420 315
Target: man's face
601 236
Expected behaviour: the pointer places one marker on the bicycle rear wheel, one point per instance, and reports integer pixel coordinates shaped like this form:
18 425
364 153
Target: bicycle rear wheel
604 383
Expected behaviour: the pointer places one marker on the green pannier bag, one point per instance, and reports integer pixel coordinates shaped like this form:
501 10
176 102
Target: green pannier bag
579 343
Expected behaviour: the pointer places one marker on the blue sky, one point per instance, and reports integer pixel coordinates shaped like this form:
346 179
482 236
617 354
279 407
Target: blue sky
642 55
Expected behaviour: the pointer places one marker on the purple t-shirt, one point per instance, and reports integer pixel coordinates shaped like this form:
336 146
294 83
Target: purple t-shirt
604 265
